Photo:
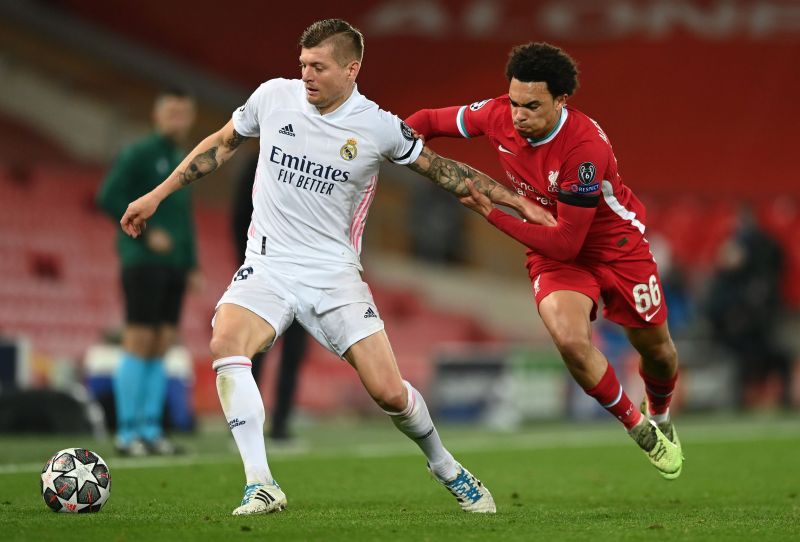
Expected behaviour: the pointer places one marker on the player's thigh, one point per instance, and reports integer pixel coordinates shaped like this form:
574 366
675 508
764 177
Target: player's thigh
254 310
632 292
566 296
239 332
566 315
374 361
341 316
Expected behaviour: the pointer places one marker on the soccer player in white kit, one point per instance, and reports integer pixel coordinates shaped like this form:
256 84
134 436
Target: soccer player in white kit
321 146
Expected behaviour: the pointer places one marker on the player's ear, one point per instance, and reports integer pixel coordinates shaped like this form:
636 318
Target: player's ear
561 101
352 69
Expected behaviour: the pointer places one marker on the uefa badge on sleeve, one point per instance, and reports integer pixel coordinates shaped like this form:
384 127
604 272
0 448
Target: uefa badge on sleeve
586 172
349 150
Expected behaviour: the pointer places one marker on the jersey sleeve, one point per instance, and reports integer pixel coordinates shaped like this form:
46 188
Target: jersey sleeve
473 120
581 174
464 121
246 119
561 242
433 123
397 141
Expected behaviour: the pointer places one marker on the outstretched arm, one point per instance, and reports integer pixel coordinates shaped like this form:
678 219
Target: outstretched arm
205 158
432 123
561 243
451 175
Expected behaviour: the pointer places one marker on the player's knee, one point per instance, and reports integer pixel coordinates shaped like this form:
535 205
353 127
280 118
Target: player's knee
574 347
661 353
391 399
223 345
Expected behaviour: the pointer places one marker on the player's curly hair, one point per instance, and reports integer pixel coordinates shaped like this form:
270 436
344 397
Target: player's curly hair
543 62
348 41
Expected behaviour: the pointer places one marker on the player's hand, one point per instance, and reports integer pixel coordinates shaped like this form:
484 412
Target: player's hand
158 240
133 222
477 201
534 213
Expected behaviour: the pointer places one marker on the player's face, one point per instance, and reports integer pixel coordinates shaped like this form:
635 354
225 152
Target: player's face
173 116
328 84
533 109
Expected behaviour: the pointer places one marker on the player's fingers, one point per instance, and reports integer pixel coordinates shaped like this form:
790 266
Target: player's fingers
137 224
546 218
471 187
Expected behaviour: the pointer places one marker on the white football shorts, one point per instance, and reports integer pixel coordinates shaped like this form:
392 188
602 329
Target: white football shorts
337 315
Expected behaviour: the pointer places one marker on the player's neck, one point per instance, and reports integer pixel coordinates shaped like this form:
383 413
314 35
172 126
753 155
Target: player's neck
333 106
549 130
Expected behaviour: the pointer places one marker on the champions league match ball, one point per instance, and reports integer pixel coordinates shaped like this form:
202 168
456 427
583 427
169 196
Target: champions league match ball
75 480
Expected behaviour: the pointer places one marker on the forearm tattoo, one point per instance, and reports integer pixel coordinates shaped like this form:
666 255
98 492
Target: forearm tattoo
451 174
206 162
201 165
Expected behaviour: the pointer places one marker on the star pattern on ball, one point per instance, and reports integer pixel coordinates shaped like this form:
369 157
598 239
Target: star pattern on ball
83 473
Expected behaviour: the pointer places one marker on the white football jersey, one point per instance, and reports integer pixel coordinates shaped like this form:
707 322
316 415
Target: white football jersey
316 174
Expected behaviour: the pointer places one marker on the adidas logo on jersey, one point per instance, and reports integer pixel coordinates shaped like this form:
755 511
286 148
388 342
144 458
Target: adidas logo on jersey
370 313
287 130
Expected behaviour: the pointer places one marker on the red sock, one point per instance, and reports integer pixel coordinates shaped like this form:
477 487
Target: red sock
659 391
612 397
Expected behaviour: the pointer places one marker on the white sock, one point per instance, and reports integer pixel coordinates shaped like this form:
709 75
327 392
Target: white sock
244 410
415 422
661 418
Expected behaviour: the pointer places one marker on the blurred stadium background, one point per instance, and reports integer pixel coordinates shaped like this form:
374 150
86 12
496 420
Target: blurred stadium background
698 98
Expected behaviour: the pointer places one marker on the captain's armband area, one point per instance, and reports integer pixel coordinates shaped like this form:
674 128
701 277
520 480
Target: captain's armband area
578 200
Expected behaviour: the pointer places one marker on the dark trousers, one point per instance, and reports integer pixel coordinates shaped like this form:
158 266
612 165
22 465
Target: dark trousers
294 348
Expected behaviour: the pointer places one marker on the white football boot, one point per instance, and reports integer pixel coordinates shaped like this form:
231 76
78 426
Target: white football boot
261 499
471 494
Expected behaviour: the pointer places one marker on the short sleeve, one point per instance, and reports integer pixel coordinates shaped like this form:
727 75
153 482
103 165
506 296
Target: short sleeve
398 143
473 119
246 119
581 174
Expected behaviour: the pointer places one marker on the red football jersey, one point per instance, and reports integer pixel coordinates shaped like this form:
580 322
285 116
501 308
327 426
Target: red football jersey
573 165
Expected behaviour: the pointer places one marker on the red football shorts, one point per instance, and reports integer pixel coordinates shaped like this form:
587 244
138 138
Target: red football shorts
630 286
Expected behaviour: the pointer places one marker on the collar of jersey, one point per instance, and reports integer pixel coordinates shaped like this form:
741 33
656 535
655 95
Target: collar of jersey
340 111
553 133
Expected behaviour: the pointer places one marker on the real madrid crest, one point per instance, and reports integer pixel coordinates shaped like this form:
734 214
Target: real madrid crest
349 150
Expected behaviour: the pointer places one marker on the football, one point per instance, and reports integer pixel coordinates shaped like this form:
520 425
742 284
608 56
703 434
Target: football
75 480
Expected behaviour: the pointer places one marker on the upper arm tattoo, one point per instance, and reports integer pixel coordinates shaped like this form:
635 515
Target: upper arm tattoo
235 140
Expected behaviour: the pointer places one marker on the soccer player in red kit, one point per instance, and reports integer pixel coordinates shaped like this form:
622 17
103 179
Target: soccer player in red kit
562 159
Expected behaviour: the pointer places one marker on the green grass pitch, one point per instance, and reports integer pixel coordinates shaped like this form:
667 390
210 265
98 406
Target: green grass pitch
741 481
